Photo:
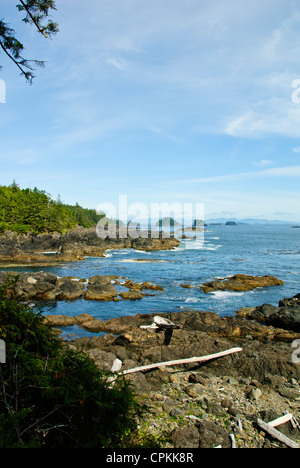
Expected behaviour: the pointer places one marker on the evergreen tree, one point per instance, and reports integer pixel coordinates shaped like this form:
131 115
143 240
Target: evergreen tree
26 210
37 14
52 396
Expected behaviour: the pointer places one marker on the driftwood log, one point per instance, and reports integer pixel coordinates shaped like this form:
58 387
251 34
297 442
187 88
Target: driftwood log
276 434
183 361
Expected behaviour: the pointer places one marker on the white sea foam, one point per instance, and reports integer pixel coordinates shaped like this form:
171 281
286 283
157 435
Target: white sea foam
142 251
142 260
192 299
212 247
226 294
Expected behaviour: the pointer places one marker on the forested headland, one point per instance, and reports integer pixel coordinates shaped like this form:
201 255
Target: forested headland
33 210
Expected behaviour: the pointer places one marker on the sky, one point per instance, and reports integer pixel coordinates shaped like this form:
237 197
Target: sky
161 101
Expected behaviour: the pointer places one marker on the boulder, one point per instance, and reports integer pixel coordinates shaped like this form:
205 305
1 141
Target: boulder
212 435
66 289
153 287
186 437
241 283
131 295
43 286
35 285
260 313
286 316
290 301
100 289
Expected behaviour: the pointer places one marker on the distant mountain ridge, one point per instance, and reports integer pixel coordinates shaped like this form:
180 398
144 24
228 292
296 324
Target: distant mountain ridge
249 221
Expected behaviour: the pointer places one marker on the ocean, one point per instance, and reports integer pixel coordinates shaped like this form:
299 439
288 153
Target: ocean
225 251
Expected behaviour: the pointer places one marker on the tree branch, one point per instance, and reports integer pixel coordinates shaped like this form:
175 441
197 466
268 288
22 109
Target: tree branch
36 12
50 28
28 75
33 19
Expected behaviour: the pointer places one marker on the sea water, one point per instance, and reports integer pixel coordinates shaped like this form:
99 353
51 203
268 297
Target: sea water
225 251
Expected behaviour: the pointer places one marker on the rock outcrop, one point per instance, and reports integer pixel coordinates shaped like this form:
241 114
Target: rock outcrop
46 249
207 405
286 315
241 283
100 289
48 287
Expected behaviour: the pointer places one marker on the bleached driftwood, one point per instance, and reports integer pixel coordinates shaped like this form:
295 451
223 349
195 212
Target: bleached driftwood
283 419
117 365
183 361
160 323
233 442
277 435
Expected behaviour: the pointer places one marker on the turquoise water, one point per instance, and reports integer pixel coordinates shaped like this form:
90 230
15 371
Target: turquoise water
247 249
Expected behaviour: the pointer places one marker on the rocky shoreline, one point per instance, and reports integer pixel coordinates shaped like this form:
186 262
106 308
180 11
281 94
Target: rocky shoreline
48 249
215 403
43 286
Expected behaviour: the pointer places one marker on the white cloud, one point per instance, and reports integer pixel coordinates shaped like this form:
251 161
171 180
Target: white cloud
272 117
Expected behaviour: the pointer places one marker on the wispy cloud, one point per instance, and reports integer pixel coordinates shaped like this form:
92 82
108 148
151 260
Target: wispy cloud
263 163
118 63
278 117
287 172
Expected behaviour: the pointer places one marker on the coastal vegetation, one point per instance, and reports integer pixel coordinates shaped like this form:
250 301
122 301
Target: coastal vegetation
33 210
52 396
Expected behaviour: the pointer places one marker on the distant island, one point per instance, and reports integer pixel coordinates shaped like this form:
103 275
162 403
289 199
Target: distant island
220 221
167 221
230 223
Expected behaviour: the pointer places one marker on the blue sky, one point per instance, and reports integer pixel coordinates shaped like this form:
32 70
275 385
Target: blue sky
162 101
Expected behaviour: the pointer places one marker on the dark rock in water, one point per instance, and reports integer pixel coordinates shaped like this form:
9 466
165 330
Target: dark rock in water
131 295
66 289
48 287
290 301
241 283
43 286
286 316
33 285
100 289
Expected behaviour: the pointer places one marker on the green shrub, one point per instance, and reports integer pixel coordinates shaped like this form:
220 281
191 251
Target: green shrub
52 396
